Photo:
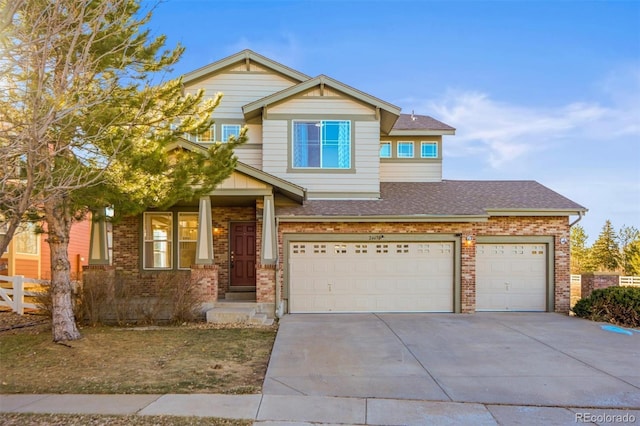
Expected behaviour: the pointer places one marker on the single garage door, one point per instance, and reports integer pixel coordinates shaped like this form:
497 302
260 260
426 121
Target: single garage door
371 277
511 277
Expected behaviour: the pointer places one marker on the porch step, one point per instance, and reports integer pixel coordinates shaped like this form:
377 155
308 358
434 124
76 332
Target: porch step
237 312
242 288
236 295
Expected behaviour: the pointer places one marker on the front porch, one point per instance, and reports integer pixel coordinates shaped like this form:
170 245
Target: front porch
226 242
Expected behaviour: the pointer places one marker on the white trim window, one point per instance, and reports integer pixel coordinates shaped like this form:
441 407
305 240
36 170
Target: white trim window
158 237
429 149
385 149
25 240
187 238
208 136
405 149
321 144
229 130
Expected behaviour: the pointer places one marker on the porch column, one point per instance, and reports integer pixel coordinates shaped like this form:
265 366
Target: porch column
269 243
98 246
204 242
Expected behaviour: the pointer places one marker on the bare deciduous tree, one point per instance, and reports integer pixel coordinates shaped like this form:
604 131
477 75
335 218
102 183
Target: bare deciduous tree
85 121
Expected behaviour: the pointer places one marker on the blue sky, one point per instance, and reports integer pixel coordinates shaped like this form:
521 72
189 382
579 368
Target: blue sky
545 90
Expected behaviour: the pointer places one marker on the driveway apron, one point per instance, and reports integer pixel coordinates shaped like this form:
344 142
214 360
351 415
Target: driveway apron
490 358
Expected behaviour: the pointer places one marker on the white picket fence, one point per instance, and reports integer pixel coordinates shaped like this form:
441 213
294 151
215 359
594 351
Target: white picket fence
622 281
629 281
13 291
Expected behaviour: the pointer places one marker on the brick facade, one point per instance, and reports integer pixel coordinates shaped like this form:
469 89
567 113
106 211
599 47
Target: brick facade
126 245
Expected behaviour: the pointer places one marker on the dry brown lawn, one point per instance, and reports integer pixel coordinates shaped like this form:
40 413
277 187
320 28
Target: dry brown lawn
196 358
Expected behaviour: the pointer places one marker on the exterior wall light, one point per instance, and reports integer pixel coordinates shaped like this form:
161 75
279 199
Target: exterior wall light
468 240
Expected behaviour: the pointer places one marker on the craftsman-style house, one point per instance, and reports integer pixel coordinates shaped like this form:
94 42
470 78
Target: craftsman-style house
338 205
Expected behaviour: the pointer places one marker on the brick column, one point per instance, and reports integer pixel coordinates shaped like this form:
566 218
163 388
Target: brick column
266 283
597 280
205 278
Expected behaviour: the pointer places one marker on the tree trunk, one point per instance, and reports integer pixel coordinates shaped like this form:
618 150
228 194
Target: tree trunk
59 221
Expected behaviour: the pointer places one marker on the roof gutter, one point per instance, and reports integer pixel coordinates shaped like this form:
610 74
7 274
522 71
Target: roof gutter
371 219
580 216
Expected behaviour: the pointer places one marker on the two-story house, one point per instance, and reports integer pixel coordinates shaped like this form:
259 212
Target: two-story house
338 205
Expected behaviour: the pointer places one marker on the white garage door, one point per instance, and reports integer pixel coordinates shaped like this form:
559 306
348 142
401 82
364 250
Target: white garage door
370 277
511 277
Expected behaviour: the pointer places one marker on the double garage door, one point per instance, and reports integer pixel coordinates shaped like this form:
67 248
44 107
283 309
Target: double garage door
371 277
412 277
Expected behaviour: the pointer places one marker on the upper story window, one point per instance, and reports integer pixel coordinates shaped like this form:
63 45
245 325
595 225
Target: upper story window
405 149
429 149
385 149
324 144
158 235
230 130
208 135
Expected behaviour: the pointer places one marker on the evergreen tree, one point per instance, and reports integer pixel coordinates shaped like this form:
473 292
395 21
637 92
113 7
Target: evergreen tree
86 122
579 251
629 240
605 252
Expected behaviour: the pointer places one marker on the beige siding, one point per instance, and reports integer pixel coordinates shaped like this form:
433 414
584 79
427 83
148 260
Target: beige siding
364 182
240 88
249 155
321 105
410 172
240 181
254 134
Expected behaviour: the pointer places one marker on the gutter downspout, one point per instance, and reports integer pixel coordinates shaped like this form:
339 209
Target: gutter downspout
279 303
580 216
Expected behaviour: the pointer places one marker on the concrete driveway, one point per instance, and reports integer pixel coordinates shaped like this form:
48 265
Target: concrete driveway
498 358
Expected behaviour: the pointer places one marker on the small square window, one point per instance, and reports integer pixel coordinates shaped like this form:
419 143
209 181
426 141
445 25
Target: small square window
385 149
429 150
229 130
405 149
207 136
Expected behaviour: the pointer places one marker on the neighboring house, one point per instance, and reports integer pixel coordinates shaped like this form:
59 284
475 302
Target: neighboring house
28 252
338 205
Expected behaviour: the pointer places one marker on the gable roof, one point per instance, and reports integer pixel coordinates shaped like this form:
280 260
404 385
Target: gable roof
411 124
449 200
291 190
244 56
388 113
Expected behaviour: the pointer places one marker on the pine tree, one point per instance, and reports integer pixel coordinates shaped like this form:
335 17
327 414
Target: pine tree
579 251
605 252
629 241
85 122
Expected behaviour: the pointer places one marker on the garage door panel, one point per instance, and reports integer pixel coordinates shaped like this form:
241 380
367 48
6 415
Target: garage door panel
511 277
359 277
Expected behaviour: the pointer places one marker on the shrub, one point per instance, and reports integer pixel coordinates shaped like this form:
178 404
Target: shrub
618 305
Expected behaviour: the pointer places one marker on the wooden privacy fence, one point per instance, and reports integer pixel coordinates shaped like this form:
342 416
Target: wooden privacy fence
13 291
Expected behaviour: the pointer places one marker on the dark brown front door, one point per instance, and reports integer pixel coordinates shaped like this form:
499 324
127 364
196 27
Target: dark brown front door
243 254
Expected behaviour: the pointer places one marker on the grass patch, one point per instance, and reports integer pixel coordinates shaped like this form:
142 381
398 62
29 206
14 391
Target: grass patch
111 360
11 419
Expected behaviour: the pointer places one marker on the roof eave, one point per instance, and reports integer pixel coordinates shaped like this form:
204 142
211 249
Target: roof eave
536 212
430 132
243 55
383 218
392 112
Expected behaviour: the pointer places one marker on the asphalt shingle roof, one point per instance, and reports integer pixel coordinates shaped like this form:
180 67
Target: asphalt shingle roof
447 198
419 122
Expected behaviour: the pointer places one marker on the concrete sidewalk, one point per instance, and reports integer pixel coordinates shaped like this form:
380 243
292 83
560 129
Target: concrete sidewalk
306 410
